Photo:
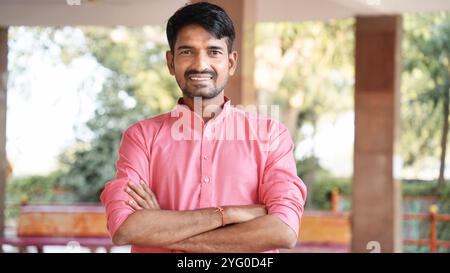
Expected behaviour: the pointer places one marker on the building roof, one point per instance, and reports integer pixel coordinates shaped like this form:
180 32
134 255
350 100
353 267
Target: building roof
155 12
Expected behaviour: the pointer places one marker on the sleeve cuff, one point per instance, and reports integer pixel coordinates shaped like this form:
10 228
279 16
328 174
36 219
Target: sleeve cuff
116 218
114 199
288 215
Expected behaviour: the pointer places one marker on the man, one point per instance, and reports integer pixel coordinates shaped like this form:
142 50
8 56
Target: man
201 181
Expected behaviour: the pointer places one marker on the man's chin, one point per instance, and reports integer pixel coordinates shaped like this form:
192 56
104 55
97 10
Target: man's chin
204 94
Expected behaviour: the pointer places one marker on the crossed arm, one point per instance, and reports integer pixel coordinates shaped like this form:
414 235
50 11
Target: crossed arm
247 228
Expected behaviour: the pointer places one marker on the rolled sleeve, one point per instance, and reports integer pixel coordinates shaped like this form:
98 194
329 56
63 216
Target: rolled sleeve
132 166
282 191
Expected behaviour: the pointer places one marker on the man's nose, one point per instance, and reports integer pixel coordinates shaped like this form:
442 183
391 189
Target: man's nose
201 62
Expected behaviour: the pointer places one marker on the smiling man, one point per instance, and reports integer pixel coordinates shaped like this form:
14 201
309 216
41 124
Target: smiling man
196 179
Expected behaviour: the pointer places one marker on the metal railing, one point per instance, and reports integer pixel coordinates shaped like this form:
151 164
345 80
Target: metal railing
433 217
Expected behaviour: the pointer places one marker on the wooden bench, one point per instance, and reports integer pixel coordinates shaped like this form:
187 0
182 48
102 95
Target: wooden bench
324 231
60 225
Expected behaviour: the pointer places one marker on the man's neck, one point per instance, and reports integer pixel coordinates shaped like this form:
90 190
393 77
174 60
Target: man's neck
207 108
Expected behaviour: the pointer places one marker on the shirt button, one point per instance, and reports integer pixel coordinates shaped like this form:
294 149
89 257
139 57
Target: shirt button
205 157
206 179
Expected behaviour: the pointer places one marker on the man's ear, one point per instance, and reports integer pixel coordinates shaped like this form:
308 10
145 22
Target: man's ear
232 62
169 59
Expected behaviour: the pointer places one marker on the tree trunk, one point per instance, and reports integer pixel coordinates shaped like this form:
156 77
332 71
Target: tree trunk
441 179
290 119
311 176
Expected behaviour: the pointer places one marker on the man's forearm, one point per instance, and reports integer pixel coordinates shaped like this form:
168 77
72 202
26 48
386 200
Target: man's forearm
155 228
158 228
261 234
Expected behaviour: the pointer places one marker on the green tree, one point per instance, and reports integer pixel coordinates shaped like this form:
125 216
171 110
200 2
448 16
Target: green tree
138 86
307 69
426 89
310 68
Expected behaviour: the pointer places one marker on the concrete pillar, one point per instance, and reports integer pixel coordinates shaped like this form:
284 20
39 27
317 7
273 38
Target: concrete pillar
3 86
376 196
241 88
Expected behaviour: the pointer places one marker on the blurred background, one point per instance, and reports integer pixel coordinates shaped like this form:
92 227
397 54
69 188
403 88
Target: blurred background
363 87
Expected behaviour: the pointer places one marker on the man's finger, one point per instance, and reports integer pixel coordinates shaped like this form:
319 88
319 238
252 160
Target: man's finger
146 187
133 204
138 190
138 199
152 198
147 192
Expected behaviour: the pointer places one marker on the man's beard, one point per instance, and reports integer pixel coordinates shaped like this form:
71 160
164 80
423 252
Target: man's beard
212 92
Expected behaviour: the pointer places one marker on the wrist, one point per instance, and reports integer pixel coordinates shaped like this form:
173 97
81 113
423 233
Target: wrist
221 212
231 214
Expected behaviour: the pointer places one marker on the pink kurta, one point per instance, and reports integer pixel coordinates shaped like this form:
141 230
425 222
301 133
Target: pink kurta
236 158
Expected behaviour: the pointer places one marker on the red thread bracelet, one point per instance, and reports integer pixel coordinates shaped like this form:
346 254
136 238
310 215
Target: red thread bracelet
221 210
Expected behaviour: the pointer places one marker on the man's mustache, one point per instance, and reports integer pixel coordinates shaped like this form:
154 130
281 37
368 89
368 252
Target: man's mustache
191 72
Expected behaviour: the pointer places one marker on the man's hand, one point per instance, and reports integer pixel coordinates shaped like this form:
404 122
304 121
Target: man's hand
143 197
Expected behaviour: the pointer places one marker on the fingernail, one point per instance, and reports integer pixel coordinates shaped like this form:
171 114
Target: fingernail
131 202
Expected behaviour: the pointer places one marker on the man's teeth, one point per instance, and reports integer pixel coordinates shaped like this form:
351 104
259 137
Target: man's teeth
200 78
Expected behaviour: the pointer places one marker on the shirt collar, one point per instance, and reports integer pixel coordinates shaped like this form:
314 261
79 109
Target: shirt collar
180 107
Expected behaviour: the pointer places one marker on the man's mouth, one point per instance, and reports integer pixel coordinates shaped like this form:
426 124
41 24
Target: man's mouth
200 77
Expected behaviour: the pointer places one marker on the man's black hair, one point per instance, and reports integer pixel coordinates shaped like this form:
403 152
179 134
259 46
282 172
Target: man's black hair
211 17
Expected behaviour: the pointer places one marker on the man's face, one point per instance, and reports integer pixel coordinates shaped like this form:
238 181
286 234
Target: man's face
200 63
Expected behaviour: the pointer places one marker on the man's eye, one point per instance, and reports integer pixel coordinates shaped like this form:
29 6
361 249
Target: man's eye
216 52
185 52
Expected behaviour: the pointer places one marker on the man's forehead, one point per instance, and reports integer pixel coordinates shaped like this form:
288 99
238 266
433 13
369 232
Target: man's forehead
195 34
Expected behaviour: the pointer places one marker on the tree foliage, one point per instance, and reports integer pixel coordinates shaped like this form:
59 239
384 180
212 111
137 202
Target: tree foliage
138 86
425 87
310 68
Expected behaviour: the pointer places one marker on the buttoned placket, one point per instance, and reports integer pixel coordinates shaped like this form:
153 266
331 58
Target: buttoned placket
206 177
206 134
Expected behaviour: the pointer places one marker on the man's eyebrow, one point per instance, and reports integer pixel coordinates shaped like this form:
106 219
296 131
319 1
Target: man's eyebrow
184 47
181 47
216 47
